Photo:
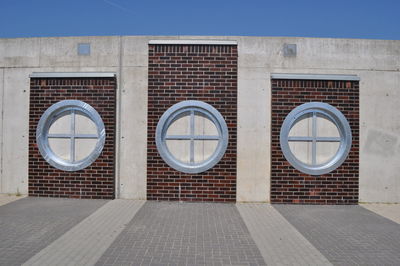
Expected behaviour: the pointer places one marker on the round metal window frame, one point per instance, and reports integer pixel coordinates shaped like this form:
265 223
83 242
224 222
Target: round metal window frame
53 113
335 116
177 111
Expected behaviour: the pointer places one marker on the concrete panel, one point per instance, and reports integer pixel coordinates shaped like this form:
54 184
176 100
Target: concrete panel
380 137
133 147
15 131
135 51
1 126
21 52
254 119
63 52
313 53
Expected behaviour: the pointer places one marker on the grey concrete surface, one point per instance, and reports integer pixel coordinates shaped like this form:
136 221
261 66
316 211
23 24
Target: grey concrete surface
30 224
184 234
389 211
5 198
347 235
48 231
86 242
278 241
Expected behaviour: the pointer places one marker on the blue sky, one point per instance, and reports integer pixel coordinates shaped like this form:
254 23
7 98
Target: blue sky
369 19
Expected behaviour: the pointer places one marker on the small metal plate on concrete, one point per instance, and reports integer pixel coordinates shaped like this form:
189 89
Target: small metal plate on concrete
289 50
83 48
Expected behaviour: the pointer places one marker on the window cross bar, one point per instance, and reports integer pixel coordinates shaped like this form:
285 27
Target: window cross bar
314 141
310 139
68 136
72 151
190 137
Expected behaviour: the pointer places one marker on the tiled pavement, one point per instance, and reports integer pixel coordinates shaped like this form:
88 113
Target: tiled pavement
279 242
347 235
38 231
184 234
86 242
5 199
390 211
30 224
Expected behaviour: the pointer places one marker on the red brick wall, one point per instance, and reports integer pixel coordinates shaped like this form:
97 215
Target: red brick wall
97 180
192 72
289 185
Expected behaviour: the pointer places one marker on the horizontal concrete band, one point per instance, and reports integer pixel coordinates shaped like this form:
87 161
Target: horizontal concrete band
315 77
72 75
193 42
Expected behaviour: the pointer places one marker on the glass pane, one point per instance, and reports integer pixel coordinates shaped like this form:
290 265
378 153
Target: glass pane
61 147
303 127
83 147
181 126
203 149
204 126
180 149
302 151
62 125
326 128
84 125
326 151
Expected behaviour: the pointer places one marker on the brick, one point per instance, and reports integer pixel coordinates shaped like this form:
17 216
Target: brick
100 94
306 189
192 72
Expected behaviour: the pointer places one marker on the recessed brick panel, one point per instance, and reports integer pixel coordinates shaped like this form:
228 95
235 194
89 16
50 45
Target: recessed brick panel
192 72
96 181
288 185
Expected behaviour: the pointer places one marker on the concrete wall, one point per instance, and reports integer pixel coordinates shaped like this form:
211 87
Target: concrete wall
376 62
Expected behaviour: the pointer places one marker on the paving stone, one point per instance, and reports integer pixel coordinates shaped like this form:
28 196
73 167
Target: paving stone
278 241
389 211
5 198
346 235
164 233
30 224
86 242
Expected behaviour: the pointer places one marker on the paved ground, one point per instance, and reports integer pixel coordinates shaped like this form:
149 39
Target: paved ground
86 242
30 224
279 242
38 231
347 235
5 199
184 234
390 211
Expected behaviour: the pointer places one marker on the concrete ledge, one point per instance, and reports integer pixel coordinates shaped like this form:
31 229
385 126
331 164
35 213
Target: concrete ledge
193 42
72 75
315 77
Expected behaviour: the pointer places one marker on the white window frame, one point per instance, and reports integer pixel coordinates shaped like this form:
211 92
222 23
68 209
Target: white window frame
177 111
315 109
72 108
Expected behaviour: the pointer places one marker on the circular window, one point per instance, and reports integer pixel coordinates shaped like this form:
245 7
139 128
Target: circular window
191 136
70 135
315 138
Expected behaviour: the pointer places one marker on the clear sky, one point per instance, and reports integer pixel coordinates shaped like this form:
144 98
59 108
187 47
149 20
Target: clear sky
372 19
